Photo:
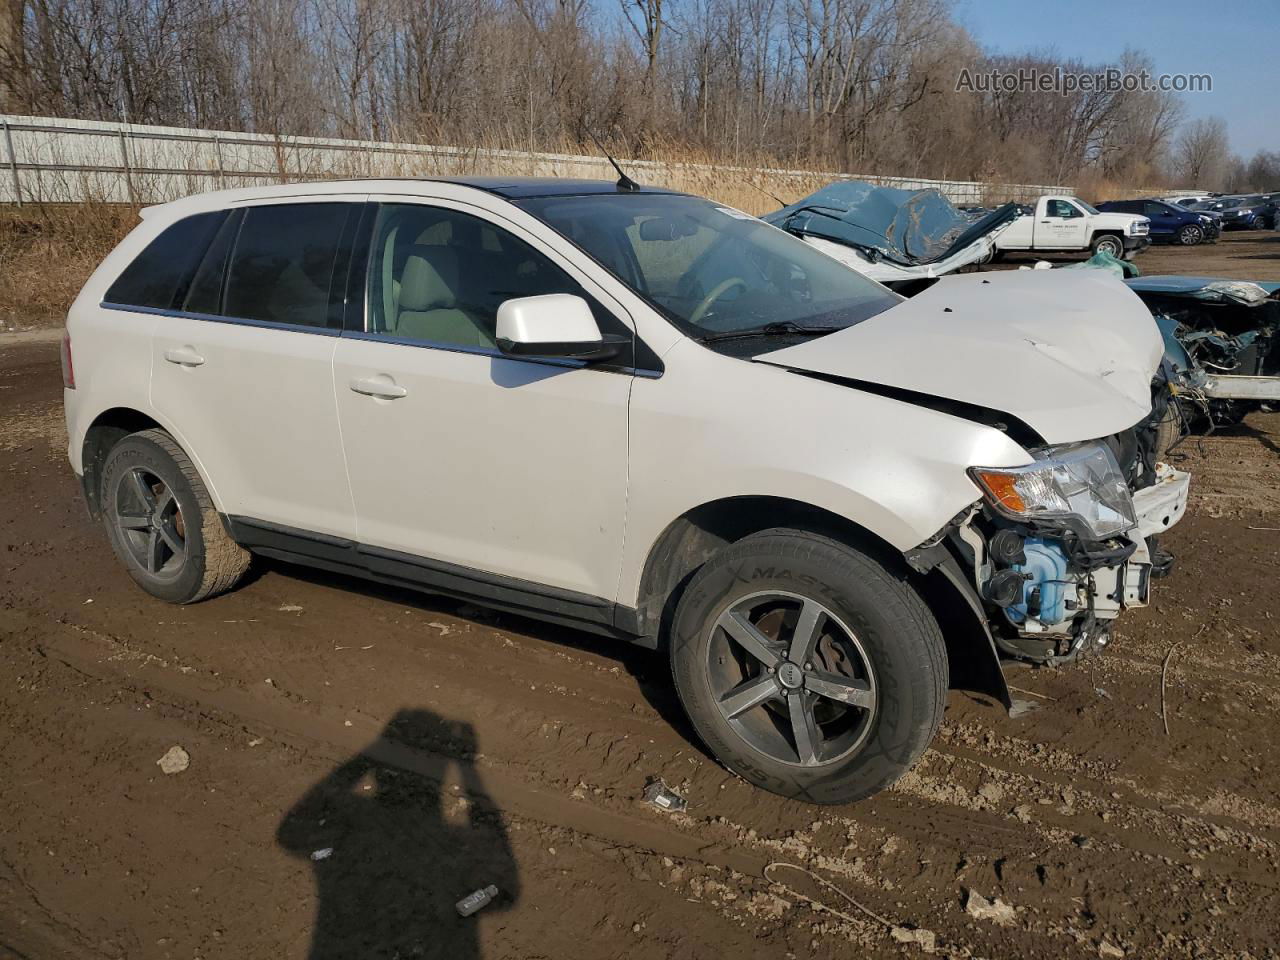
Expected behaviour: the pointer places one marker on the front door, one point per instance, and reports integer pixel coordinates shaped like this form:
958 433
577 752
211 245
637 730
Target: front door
459 456
1062 227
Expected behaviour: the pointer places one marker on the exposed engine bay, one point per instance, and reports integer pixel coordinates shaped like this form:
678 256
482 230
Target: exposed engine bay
1051 587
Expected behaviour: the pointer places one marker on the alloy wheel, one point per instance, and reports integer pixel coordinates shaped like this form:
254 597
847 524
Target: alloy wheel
1191 235
150 524
791 678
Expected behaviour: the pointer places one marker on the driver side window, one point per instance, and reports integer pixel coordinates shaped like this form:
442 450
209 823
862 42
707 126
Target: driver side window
1063 209
437 276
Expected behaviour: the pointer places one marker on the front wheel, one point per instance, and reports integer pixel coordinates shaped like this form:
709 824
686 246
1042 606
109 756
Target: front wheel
807 667
1111 245
1190 235
162 523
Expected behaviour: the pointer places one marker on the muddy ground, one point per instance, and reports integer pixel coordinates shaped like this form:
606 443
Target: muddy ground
434 749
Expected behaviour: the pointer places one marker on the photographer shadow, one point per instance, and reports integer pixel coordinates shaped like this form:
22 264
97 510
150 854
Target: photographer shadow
411 831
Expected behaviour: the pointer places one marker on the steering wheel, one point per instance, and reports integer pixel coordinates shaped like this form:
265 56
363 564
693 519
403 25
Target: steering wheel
720 289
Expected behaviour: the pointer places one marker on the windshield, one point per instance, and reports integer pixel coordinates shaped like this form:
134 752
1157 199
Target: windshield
712 270
1087 208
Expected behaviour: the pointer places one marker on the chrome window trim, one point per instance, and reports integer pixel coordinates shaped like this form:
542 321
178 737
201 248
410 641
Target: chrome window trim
213 318
566 362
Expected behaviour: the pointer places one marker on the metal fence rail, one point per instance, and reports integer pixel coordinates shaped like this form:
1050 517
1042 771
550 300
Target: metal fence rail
54 160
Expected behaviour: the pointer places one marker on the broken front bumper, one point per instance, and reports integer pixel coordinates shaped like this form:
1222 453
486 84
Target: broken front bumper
1161 505
1070 591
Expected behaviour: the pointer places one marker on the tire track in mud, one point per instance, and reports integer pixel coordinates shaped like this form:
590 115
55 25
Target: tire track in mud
940 783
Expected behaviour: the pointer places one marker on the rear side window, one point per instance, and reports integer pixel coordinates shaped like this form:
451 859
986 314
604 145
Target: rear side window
156 274
281 267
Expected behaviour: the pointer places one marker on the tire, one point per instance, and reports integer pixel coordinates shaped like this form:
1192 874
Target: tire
873 636
1259 223
1110 243
150 495
1190 235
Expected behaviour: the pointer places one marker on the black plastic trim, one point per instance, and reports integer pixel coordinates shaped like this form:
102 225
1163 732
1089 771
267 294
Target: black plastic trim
342 555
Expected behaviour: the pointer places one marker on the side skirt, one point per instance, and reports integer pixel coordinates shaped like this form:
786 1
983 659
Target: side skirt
336 554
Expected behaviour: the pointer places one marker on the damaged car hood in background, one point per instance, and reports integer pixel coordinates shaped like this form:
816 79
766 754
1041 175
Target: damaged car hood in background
1070 354
907 228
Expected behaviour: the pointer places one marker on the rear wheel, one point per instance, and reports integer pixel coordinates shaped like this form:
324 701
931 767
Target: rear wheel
162 523
1190 235
808 668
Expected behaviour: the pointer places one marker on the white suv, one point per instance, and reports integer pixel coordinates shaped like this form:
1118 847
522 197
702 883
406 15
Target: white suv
642 414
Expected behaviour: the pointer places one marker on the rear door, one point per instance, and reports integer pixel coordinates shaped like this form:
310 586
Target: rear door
466 463
242 367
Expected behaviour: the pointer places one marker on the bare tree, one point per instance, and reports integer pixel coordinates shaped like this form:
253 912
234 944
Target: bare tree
1201 154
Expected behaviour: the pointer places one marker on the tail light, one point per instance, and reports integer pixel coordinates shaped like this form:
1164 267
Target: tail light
68 371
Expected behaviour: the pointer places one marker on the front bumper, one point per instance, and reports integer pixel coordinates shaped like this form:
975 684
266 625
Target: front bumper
1136 244
1161 505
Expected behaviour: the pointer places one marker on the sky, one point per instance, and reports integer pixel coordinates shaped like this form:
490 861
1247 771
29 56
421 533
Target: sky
1237 42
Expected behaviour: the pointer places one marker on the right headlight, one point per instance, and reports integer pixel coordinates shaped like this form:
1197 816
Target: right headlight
1077 485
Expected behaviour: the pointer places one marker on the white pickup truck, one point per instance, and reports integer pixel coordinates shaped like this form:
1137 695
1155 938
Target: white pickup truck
1068 224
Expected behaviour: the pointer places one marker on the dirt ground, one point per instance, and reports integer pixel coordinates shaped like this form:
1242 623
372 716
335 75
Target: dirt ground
361 757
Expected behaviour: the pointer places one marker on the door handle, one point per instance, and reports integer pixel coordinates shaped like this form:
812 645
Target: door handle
184 357
379 387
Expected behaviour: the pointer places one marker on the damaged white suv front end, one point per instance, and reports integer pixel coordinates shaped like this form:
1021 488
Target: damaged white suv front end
1064 545
1057 547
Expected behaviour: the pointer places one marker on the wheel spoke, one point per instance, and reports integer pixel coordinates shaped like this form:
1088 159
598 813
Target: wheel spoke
805 636
855 693
146 496
171 538
133 523
748 694
748 637
804 728
155 552
162 504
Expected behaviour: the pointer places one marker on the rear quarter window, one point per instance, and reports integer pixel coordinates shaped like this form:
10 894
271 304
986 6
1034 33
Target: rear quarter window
158 275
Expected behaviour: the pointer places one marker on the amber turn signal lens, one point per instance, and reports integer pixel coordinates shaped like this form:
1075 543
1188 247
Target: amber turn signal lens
1001 487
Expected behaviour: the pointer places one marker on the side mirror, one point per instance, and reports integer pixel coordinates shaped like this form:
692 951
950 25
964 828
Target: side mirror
553 325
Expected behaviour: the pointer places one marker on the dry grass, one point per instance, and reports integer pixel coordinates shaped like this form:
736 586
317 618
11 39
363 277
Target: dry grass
47 254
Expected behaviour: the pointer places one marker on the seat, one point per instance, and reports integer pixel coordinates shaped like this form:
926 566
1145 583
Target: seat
428 306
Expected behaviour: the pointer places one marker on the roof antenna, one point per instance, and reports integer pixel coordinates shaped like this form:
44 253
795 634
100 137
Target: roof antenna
624 182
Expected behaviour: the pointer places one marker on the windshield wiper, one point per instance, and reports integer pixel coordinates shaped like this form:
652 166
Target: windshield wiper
779 328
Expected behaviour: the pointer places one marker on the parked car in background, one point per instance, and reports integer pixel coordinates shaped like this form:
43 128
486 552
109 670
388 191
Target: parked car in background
1251 212
1169 223
1061 223
640 413
1189 199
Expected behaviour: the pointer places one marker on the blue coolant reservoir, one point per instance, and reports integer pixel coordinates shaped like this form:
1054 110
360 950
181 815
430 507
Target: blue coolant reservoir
1046 571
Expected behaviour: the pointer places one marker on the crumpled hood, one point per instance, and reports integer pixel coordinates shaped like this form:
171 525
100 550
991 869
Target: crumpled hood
1069 353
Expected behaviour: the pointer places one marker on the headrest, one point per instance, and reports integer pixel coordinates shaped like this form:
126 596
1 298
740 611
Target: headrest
430 278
